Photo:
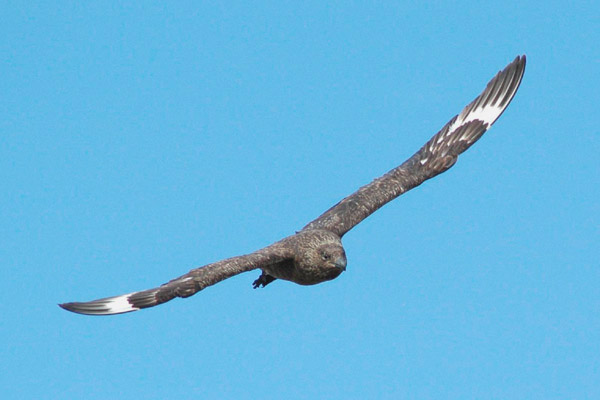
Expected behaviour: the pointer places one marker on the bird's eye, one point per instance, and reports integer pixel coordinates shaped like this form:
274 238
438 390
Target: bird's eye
325 256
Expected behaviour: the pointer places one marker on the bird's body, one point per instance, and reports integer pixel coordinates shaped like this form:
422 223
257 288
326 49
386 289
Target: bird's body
318 256
315 254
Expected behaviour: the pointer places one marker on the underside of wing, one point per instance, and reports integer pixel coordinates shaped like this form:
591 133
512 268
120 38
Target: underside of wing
184 286
435 157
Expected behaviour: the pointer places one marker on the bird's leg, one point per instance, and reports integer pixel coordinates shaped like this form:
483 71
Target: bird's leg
263 280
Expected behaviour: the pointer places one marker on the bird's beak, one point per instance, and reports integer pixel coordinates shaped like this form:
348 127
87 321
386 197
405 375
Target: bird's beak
341 262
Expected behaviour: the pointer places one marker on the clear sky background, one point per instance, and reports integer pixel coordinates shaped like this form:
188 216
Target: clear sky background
141 140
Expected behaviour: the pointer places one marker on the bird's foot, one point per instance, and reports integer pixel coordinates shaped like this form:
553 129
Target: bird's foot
263 280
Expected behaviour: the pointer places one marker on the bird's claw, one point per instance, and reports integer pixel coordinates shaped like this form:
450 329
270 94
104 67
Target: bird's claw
263 280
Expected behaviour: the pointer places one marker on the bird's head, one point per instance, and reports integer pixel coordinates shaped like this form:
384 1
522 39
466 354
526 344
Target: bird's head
332 256
319 257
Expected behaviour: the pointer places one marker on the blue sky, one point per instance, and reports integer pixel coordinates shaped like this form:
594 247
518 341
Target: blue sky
141 140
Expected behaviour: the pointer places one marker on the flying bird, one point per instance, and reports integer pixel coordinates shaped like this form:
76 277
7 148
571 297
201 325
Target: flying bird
315 254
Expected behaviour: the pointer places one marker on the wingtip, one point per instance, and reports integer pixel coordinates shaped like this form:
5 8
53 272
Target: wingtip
106 306
73 307
68 306
517 65
520 61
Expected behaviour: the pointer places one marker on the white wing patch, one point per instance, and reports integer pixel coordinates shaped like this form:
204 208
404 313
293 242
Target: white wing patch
487 114
119 304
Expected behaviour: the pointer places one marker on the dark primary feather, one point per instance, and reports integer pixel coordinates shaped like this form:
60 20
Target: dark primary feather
435 157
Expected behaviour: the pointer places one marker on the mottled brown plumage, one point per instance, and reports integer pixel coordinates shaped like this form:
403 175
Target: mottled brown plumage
315 254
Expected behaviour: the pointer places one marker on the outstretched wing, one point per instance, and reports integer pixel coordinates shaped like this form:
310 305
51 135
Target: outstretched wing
184 286
439 154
